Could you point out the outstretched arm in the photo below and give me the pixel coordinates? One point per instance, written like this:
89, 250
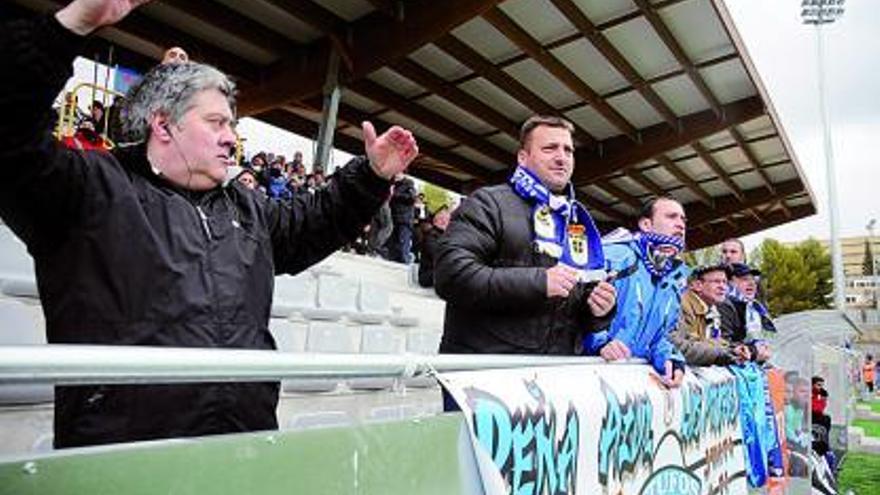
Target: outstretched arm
43, 184
84, 16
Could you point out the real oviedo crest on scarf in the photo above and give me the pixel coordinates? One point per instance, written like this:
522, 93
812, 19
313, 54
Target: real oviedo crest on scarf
561, 227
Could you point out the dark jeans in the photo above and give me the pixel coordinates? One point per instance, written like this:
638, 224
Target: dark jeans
400, 243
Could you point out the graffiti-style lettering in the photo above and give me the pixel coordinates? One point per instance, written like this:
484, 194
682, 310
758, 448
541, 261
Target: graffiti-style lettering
672, 480
524, 443
627, 436
708, 408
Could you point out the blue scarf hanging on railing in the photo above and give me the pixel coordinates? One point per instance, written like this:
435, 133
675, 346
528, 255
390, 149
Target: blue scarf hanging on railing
562, 227
651, 247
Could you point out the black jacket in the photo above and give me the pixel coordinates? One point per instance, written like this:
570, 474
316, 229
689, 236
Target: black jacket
123, 257
495, 284
402, 201
733, 321
429, 250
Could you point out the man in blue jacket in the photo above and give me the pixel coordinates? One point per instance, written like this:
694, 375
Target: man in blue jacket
649, 279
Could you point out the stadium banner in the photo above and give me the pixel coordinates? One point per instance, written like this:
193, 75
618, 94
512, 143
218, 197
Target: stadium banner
602, 429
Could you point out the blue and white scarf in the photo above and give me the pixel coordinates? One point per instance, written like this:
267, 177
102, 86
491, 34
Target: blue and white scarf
562, 227
651, 247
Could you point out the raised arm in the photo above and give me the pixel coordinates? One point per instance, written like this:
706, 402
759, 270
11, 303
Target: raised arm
42, 184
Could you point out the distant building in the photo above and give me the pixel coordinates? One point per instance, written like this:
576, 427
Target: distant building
862, 290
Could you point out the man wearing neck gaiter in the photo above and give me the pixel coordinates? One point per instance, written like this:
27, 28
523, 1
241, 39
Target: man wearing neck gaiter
521, 265
649, 279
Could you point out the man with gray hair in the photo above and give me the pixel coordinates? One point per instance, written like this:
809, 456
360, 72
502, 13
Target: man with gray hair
151, 246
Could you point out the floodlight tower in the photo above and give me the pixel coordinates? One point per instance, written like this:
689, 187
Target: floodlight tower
875, 280
818, 13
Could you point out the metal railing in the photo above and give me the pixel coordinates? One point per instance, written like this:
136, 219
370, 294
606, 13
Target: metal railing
87, 364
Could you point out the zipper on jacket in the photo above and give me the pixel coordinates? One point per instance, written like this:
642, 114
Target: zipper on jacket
205, 225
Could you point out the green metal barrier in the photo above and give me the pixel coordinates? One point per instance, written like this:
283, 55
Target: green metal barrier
424, 456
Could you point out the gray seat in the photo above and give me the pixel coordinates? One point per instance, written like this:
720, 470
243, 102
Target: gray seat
399, 319
382, 339
421, 341
325, 337
22, 324
289, 336
333, 337
337, 298
17, 277
294, 294
373, 304
379, 339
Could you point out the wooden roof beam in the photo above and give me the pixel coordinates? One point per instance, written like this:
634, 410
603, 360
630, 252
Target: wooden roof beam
620, 194
521, 38
620, 153
437, 85
139, 25
373, 41
394, 101
608, 211
698, 239
685, 179
752, 159
713, 164
486, 69
236, 25
644, 181
669, 40
393, 8
589, 30
354, 117
312, 14
751, 199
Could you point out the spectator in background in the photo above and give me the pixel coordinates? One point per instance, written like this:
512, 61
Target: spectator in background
248, 178
743, 318
86, 138
402, 204
439, 222
380, 230
797, 410
869, 370
97, 114
297, 163
698, 335
175, 55
319, 180
649, 278
421, 225
733, 251
278, 184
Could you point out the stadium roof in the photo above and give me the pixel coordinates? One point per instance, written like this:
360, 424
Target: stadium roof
664, 98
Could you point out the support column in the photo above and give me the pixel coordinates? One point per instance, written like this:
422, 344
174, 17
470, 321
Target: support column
332, 92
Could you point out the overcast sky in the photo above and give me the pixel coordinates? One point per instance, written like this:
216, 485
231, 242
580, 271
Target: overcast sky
784, 51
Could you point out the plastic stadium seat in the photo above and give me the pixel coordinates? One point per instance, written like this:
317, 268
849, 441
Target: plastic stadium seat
22, 324
294, 294
17, 277
382, 339
423, 341
373, 304
289, 336
379, 339
333, 337
337, 298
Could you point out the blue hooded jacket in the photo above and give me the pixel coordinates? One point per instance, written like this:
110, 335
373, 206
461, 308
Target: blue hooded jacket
647, 307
